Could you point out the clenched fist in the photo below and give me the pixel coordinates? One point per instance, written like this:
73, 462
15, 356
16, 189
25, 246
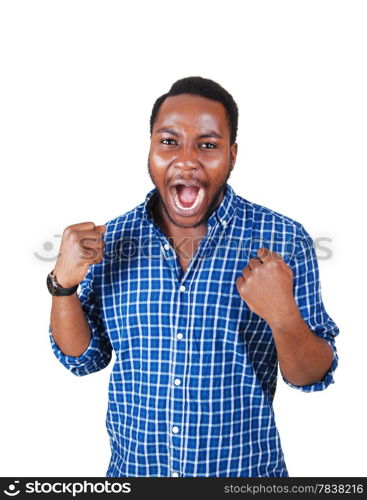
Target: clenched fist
266, 285
81, 245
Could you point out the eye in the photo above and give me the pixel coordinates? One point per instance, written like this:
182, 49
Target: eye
168, 142
208, 145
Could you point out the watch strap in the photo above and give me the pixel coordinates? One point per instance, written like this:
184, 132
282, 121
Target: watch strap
56, 289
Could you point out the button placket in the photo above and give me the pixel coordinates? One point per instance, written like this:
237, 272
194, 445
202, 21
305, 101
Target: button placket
177, 406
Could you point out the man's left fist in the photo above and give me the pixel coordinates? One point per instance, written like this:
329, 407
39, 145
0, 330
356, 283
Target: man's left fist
266, 285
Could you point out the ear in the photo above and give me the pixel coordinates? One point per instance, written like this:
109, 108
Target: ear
233, 153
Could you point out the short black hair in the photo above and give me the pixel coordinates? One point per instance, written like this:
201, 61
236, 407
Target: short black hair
203, 87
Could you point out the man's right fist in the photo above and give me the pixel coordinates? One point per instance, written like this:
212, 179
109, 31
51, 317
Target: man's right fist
81, 245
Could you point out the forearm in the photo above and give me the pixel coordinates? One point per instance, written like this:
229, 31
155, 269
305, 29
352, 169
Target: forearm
304, 358
70, 328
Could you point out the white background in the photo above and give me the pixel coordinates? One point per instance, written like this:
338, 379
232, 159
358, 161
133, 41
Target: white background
78, 80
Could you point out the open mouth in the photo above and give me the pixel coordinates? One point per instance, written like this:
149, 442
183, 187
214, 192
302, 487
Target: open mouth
187, 198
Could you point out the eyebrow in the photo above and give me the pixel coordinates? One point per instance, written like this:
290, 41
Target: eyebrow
208, 134
167, 130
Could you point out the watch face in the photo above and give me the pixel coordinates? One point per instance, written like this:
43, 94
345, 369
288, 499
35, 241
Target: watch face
55, 289
51, 285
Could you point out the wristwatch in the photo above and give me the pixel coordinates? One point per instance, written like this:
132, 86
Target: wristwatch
55, 288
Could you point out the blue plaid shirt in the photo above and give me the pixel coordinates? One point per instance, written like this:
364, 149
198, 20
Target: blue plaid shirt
192, 386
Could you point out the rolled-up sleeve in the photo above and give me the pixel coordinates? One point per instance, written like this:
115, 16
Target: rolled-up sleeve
307, 292
99, 351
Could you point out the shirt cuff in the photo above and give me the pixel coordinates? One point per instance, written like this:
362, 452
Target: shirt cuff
82, 359
328, 378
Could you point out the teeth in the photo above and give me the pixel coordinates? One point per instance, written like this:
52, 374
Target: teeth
196, 203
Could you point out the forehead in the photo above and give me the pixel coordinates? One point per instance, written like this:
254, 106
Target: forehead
192, 111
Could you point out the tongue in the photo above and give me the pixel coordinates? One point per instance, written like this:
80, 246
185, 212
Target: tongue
187, 194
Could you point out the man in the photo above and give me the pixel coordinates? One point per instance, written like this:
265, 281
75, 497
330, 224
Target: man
200, 293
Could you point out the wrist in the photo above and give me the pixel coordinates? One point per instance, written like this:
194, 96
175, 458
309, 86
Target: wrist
59, 289
287, 320
62, 279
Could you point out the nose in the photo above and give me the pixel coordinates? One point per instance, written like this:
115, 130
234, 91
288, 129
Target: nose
187, 159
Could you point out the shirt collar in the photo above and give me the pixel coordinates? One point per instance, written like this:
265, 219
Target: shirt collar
223, 213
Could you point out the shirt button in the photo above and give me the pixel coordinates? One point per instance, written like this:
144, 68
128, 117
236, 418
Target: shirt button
177, 381
224, 222
182, 288
174, 474
166, 246
179, 336
175, 429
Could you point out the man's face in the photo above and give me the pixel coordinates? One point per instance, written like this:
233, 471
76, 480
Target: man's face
190, 157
